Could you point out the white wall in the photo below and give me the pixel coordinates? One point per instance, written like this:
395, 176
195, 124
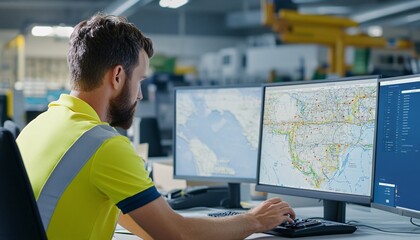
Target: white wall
46, 47
188, 49
233, 68
6, 36
209, 66
394, 32
284, 59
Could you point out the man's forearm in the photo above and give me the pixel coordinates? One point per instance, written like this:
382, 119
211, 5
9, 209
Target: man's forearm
234, 227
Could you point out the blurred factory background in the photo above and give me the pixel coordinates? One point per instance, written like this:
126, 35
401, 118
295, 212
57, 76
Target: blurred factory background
208, 42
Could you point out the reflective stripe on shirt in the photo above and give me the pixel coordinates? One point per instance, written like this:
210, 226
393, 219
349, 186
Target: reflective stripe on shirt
68, 168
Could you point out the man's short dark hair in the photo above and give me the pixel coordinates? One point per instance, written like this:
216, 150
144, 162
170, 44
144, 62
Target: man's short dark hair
101, 43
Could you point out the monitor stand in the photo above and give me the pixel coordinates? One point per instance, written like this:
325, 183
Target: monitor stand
234, 197
213, 196
335, 211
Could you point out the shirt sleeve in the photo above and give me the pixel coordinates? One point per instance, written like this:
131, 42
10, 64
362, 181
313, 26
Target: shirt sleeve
119, 173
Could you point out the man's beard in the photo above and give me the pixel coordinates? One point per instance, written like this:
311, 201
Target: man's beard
121, 111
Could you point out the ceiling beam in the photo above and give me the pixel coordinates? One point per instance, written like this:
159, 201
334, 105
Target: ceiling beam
377, 12
50, 5
402, 21
125, 7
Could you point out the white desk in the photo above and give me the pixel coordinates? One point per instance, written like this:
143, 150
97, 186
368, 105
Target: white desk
363, 215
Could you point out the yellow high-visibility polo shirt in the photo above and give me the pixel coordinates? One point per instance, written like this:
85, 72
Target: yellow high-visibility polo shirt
114, 177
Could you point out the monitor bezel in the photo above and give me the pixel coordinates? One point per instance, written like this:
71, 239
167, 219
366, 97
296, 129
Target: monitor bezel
309, 193
397, 210
209, 178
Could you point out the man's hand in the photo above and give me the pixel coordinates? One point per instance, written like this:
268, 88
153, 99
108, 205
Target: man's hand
271, 213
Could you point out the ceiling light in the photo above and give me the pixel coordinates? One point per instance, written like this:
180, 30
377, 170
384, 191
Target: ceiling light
51, 31
123, 7
305, 1
41, 31
325, 10
412, 18
374, 31
386, 10
172, 3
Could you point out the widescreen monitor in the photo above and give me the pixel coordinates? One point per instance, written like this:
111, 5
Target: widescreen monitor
317, 141
397, 158
216, 134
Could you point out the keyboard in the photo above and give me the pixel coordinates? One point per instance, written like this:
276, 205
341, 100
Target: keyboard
224, 214
311, 227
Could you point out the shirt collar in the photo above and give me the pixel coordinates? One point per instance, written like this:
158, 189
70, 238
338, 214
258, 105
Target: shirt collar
76, 105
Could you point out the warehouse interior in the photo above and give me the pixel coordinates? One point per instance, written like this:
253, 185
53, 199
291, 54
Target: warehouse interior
211, 43
208, 43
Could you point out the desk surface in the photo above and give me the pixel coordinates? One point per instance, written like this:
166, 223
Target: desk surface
362, 216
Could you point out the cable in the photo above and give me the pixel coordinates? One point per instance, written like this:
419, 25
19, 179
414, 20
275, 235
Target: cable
316, 218
355, 223
415, 224
126, 233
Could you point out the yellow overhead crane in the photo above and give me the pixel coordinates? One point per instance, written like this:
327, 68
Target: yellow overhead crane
294, 27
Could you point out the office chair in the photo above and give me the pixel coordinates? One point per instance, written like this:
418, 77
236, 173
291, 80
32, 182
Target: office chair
32, 114
19, 215
150, 133
12, 127
3, 108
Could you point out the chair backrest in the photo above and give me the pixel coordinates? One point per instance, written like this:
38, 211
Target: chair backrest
3, 108
12, 127
150, 133
32, 114
19, 215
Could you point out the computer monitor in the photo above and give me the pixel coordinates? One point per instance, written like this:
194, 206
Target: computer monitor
317, 140
398, 147
216, 135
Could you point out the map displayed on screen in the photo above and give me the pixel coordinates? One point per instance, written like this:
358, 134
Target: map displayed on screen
217, 132
319, 136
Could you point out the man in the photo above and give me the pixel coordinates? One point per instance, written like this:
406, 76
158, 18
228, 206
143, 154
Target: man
83, 172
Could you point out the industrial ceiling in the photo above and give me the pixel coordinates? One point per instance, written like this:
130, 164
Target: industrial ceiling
202, 17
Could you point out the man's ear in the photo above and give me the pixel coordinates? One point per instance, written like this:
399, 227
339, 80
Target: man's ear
118, 77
